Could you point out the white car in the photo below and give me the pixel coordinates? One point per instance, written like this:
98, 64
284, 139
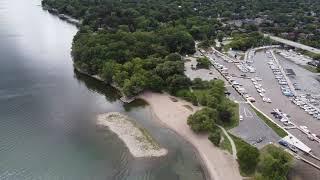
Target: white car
240, 117
268, 100
311, 112
251, 99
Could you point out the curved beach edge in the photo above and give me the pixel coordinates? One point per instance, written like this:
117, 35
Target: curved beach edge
137, 139
174, 113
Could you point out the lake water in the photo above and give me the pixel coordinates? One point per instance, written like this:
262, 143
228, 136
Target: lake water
47, 111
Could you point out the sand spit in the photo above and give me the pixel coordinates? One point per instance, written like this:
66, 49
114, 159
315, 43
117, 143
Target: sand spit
138, 140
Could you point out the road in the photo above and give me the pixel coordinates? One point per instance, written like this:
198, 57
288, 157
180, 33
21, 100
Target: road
294, 44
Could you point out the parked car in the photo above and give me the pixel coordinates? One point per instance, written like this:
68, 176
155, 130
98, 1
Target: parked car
283, 143
251, 99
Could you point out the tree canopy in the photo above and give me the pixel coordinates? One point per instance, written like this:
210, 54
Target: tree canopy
248, 158
274, 164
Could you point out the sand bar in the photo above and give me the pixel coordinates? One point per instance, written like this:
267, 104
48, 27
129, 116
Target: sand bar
138, 140
220, 165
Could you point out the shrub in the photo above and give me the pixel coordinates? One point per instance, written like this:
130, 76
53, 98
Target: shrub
215, 137
203, 63
203, 120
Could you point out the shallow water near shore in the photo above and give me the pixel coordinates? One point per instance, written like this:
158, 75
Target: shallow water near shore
48, 112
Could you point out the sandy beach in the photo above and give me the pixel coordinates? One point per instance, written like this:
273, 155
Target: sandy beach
220, 164
137, 140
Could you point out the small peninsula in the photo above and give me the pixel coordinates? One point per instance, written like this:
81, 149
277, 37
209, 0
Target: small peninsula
138, 140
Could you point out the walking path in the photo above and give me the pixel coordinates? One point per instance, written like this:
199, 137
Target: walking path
233, 146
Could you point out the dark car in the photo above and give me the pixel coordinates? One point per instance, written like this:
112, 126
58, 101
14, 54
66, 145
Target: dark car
283, 143
273, 113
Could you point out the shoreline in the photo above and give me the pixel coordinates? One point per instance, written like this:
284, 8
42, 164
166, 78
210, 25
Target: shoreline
123, 98
217, 163
139, 142
63, 17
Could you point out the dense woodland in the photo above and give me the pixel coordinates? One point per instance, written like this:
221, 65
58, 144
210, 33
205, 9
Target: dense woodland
136, 44
293, 19
137, 36
137, 39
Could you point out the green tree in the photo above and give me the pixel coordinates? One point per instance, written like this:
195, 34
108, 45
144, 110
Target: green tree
275, 164
173, 57
203, 120
215, 137
203, 63
177, 40
177, 82
108, 71
220, 36
248, 158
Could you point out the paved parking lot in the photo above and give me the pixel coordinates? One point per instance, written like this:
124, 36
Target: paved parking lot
204, 74
252, 128
305, 79
298, 116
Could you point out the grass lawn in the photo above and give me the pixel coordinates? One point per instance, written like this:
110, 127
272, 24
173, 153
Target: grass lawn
271, 124
225, 144
239, 144
200, 92
238, 141
310, 68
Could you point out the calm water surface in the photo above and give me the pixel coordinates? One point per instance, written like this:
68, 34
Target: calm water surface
47, 111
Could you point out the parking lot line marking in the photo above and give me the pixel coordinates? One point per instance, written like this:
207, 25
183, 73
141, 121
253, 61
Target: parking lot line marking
244, 112
247, 113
